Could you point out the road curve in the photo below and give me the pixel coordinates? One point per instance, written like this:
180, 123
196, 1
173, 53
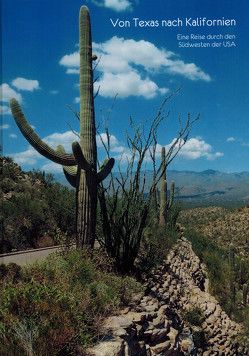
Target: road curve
25, 257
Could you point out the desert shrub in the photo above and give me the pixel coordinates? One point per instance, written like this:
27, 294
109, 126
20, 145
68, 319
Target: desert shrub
155, 247
226, 280
34, 208
199, 339
56, 306
216, 260
194, 316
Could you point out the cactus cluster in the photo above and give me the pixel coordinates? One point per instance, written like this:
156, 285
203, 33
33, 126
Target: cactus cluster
80, 168
165, 201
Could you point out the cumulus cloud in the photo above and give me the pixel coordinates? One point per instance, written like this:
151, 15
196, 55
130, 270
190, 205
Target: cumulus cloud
31, 156
238, 140
54, 92
52, 167
231, 139
196, 148
70, 60
65, 139
12, 135
28, 156
126, 67
116, 5
193, 149
4, 127
102, 138
7, 93
127, 84
25, 84
4, 110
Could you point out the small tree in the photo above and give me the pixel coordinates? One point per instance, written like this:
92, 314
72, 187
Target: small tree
126, 204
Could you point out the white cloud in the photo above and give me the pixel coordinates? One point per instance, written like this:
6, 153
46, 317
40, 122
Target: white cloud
4, 110
70, 60
54, 92
193, 149
116, 5
245, 144
118, 54
4, 127
103, 138
28, 156
127, 84
25, 84
12, 135
72, 71
52, 167
7, 93
65, 139
77, 100
231, 139
196, 148
126, 67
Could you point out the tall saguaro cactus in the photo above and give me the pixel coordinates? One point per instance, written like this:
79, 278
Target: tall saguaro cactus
80, 168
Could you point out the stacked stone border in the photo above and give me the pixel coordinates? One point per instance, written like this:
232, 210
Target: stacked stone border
156, 322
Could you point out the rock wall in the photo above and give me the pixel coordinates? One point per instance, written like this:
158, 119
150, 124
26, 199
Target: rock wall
157, 322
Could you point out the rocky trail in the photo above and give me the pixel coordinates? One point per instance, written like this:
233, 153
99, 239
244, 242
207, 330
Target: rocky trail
156, 321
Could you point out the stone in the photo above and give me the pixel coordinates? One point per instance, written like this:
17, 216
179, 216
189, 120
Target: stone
120, 332
137, 317
158, 335
172, 336
161, 347
159, 321
151, 308
108, 348
117, 322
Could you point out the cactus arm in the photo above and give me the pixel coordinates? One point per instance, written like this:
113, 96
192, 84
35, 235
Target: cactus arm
70, 172
71, 177
34, 139
105, 170
80, 158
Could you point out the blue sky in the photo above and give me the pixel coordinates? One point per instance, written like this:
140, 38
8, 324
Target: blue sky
140, 64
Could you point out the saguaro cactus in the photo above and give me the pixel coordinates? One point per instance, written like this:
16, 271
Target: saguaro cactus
245, 293
232, 256
165, 201
80, 168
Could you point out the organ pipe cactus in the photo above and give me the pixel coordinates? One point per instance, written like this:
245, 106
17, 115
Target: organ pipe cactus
80, 168
165, 201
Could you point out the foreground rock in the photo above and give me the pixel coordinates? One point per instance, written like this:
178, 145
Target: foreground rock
158, 322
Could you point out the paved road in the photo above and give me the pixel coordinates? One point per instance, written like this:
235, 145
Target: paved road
28, 256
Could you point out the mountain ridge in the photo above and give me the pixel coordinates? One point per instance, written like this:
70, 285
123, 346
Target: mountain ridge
205, 187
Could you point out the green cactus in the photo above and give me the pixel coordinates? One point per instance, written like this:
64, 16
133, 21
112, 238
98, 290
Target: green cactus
232, 256
245, 293
80, 168
172, 194
165, 201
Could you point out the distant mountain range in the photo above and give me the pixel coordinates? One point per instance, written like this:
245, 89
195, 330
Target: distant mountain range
204, 188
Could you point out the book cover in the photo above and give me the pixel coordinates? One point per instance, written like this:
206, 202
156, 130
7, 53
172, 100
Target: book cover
145, 105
